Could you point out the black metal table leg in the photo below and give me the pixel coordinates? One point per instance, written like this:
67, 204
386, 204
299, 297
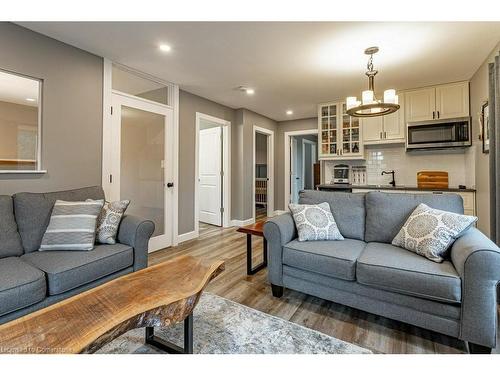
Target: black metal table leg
168, 347
253, 270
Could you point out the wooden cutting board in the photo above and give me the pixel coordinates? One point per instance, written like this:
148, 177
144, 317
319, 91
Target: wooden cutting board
432, 180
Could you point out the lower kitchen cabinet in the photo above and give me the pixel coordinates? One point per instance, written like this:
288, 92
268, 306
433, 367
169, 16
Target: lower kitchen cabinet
469, 197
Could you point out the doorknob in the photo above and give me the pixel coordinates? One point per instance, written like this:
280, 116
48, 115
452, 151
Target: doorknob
170, 184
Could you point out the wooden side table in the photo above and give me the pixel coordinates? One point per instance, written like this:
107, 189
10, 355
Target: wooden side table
256, 229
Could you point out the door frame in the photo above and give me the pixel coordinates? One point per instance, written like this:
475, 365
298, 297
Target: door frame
226, 171
107, 137
313, 156
270, 169
287, 136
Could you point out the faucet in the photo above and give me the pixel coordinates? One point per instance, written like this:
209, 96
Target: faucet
393, 182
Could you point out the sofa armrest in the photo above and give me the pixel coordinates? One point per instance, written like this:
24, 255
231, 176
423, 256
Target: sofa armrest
278, 231
477, 260
136, 232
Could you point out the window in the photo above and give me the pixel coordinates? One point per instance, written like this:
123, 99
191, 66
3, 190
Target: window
20, 122
131, 83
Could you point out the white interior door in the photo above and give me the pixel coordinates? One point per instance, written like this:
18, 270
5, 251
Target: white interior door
142, 163
210, 176
295, 172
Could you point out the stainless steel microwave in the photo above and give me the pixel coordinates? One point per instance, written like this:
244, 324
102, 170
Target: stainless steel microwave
438, 134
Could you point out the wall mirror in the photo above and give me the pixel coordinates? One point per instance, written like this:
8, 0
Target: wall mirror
20, 123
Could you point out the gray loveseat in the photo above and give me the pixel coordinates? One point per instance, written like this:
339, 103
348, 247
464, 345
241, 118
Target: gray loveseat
456, 297
32, 279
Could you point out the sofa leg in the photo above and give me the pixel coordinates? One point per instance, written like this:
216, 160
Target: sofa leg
478, 349
277, 290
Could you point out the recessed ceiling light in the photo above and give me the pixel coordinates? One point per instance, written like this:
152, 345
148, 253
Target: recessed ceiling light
289, 112
30, 99
165, 48
245, 89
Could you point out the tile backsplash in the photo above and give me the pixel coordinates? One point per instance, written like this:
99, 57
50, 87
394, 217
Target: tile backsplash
459, 165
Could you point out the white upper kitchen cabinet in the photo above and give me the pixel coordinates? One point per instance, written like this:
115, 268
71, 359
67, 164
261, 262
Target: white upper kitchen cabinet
385, 129
420, 104
438, 102
340, 133
373, 129
452, 100
394, 124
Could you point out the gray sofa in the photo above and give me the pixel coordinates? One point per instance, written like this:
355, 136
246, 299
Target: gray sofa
456, 297
32, 279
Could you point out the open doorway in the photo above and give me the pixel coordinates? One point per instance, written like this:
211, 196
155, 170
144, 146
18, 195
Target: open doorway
212, 171
263, 178
302, 169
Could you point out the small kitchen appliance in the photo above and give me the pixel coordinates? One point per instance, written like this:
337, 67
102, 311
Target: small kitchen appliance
341, 174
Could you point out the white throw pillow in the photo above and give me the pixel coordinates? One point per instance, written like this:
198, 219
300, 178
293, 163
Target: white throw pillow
315, 222
430, 232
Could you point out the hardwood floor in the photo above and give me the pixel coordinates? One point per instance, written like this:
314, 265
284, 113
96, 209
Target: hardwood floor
370, 331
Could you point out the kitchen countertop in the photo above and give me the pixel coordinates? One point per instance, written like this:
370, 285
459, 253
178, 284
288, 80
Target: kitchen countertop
387, 187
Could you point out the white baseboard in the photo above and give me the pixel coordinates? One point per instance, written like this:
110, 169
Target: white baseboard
242, 223
187, 236
279, 212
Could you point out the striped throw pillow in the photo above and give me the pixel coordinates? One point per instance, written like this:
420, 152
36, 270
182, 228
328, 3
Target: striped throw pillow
72, 226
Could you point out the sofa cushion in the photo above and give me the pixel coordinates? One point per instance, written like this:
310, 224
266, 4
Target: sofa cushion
10, 241
348, 210
387, 212
398, 270
33, 212
67, 270
21, 285
330, 258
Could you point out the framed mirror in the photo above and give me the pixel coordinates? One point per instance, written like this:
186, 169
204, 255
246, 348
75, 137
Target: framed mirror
20, 123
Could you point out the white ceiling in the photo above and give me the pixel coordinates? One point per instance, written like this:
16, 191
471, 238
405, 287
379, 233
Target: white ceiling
16, 89
290, 65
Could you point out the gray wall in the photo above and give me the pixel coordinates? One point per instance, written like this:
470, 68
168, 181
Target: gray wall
279, 158
478, 95
189, 104
71, 112
242, 122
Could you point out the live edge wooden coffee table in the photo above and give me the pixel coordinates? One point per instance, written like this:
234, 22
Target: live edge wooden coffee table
256, 229
157, 296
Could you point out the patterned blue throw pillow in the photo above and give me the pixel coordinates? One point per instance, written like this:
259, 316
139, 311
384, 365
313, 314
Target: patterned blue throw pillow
315, 222
430, 232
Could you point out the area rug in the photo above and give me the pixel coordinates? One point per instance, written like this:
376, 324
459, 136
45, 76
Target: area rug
222, 326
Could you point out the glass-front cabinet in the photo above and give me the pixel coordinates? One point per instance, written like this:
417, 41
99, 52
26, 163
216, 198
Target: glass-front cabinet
340, 133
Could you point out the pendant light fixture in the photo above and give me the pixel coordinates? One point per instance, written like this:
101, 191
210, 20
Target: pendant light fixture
369, 106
